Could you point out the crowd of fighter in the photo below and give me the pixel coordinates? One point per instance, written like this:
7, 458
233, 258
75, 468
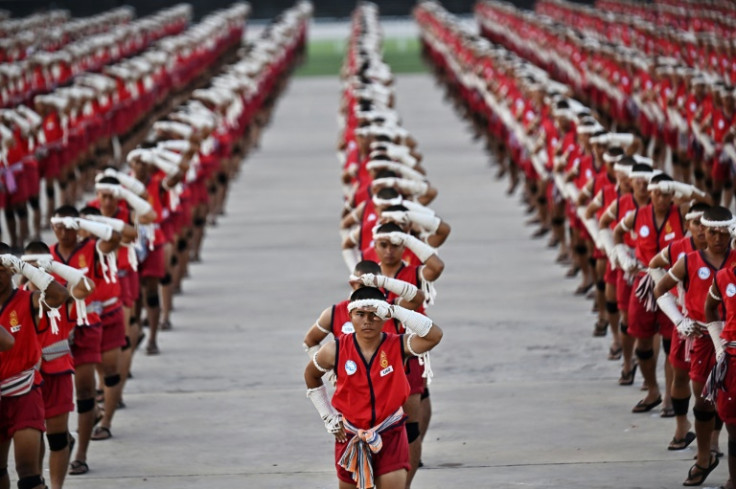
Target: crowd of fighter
380, 410
568, 100
189, 108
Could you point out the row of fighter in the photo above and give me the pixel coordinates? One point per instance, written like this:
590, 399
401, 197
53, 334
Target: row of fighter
124, 252
389, 246
686, 14
44, 70
685, 117
642, 233
72, 128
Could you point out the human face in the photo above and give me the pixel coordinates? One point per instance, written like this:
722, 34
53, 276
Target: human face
718, 239
65, 236
661, 201
108, 202
697, 230
388, 253
366, 323
639, 185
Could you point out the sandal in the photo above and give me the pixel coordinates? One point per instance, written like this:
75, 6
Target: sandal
645, 407
699, 477
101, 433
682, 443
601, 328
627, 378
583, 289
667, 412
615, 353
78, 468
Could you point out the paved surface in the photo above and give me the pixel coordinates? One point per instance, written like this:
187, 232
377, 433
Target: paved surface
523, 395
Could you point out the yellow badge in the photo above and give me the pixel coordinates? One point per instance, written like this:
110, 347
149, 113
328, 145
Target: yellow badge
668, 228
82, 262
13, 318
384, 360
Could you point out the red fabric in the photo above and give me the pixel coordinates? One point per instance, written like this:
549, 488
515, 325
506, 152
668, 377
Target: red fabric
394, 454
58, 394
113, 330
21, 412
651, 239
18, 319
643, 323
86, 344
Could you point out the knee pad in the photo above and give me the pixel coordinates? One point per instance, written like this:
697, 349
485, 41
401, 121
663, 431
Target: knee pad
718, 424
85, 405
9, 214
698, 173
701, 415
22, 212
212, 189
580, 249
112, 380
600, 286
731, 448
174, 260
541, 200
33, 202
644, 354
425, 394
728, 183
50, 191
58, 441
412, 431
612, 307
127, 343
222, 178
558, 221
166, 280
3, 472
181, 245
30, 482
681, 406
133, 320
152, 301
666, 345
62, 184
199, 222
591, 260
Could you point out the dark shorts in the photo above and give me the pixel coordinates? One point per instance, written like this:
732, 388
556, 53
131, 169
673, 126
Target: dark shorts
679, 356
702, 359
113, 330
86, 344
130, 287
20, 413
726, 402
414, 373
153, 265
58, 394
645, 324
393, 456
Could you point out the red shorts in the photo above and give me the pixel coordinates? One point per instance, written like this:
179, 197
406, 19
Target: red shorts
611, 276
86, 344
720, 172
130, 287
645, 324
393, 456
679, 353
726, 402
33, 180
113, 330
58, 394
20, 195
22, 412
702, 359
623, 291
153, 265
414, 373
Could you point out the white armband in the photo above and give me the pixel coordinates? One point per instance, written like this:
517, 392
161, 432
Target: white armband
139, 205
72, 275
412, 186
311, 350
656, 274
428, 222
117, 225
413, 321
667, 305
131, 183
405, 290
419, 248
321, 401
673, 276
350, 257
101, 230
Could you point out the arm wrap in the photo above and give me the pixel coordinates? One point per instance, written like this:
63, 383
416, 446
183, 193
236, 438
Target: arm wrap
117, 225
101, 230
427, 221
139, 205
413, 321
419, 248
405, 290
667, 305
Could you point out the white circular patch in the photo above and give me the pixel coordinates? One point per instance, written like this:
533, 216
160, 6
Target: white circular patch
703, 273
347, 328
731, 290
350, 367
644, 231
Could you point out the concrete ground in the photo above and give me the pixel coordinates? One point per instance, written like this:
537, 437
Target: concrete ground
523, 396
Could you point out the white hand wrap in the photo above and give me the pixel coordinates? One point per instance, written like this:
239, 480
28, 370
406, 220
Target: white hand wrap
329, 415
117, 225
419, 248
350, 256
139, 205
311, 350
605, 241
667, 305
714, 329
413, 321
72, 275
127, 181
657, 274
99, 229
624, 258
405, 290
68, 222
414, 206
428, 222
412, 187
40, 279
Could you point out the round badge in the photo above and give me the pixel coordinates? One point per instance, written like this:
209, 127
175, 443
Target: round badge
731, 290
644, 231
350, 367
348, 328
703, 273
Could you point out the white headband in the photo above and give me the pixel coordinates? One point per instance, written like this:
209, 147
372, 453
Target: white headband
395, 201
693, 215
366, 303
657, 186
37, 257
642, 174
612, 159
718, 224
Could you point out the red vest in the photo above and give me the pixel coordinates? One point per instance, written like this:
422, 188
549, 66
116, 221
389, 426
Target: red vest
680, 248
63, 364
367, 222
18, 319
369, 390
83, 256
726, 283
340, 323
651, 239
698, 279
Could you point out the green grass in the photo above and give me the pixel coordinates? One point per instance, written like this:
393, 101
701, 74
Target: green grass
325, 57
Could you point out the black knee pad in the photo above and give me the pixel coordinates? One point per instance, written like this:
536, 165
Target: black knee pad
541, 200
50, 191
33, 202
174, 260
611, 307
624, 328
412, 431
112, 380
558, 221
127, 343
3, 472
30, 482
63, 184
181, 245
666, 345
166, 280
133, 320
22, 212
222, 178
732, 448
199, 222
85, 405
58, 441
600, 286
718, 423
698, 173
581, 249
9, 214
644, 354
591, 260
728, 183
681, 406
152, 301
425, 394
702, 415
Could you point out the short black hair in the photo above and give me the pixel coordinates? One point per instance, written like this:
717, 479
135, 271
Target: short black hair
367, 293
110, 180
387, 193
37, 248
368, 266
90, 211
389, 227
5, 249
66, 210
661, 177
717, 213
